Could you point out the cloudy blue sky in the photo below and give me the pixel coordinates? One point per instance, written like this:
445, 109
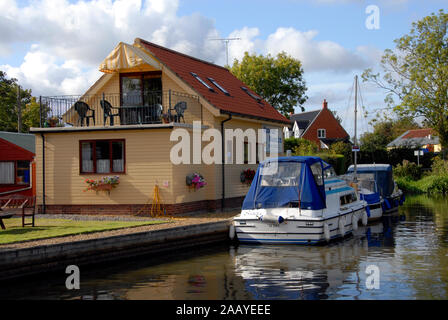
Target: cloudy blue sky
55, 47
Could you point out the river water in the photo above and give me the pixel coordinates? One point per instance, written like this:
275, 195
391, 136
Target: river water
404, 256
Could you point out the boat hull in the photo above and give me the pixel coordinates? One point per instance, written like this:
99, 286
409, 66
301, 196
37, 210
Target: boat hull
295, 231
376, 212
394, 202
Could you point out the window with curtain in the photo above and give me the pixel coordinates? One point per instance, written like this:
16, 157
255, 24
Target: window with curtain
102, 156
7, 172
15, 172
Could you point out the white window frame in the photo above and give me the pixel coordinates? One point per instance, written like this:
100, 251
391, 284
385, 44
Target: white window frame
319, 131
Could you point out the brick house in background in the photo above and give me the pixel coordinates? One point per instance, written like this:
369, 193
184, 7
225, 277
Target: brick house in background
319, 126
418, 139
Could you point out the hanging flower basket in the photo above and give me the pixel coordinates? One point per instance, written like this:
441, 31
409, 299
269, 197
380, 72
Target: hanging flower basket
104, 184
247, 176
195, 181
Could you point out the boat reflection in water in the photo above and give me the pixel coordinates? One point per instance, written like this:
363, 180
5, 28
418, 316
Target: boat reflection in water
308, 273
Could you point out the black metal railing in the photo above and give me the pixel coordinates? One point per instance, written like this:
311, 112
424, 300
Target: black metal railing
110, 109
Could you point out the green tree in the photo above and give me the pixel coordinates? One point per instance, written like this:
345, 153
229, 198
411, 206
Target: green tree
385, 130
277, 80
31, 114
290, 143
344, 148
8, 106
305, 148
417, 73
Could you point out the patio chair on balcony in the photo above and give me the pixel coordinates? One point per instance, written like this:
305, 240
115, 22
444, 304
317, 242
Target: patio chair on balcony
180, 107
107, 112
83, 109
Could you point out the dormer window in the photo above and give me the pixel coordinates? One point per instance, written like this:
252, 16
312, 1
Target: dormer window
257, 98
202, 81
219, 87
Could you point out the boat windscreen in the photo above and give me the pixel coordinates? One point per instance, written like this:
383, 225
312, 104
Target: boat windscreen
286, 183
285, 174
329, 172
316, 169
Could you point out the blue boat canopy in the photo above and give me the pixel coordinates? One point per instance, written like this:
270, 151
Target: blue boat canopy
288, 182
382, 173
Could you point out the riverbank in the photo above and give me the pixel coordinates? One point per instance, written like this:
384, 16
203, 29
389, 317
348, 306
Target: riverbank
430, 184
47, 255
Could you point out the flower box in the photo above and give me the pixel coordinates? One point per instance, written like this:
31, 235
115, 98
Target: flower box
103, 187
104, 184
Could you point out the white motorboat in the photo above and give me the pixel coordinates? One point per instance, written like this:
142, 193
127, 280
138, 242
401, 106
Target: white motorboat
292, 201
368, 191
375, 181
391, 196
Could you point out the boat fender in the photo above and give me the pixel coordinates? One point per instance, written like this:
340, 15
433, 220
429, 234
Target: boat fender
396, 203
368, 211
402, 198
326, 232
342, 225
354, 222
388, 206
232, 231
272, 219
364, 218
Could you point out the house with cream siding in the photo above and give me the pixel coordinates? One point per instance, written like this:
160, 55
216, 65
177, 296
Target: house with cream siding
127, 125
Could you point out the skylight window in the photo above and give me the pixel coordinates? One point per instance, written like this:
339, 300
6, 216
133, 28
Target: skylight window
202, 81
218, 86
251, 94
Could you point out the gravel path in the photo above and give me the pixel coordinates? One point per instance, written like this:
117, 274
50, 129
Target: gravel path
171, 223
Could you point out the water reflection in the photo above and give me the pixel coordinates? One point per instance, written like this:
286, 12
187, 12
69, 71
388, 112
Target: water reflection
409, 248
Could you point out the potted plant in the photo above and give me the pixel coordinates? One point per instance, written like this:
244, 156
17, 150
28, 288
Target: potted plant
247, 176
104, 184
165, 118
195, 181
53, 121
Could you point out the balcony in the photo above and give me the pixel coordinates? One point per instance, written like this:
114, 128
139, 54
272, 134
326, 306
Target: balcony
109, 109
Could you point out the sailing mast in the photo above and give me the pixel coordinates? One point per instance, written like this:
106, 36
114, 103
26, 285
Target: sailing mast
355, 138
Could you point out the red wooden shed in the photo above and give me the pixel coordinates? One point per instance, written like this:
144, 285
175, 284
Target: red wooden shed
17, 167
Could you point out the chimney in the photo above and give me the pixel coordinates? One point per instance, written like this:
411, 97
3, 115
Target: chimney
324, 104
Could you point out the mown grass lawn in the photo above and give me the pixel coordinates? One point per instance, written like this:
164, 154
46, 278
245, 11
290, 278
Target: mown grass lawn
51, 228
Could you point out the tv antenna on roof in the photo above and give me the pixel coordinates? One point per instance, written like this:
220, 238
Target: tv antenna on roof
227, 40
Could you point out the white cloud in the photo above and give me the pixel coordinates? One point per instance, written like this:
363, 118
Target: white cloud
83, 33
72, 38
247, 42
42, 71
315, 55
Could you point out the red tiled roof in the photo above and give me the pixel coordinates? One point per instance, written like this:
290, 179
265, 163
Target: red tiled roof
239, 102
417, 133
